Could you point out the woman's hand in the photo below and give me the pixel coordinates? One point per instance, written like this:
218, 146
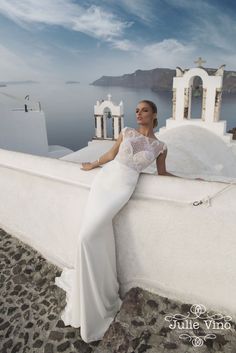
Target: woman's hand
87, 166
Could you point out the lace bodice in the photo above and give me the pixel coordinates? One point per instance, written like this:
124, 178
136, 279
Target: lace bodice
138, 151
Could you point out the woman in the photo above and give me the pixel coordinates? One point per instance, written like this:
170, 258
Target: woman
146, 114
92, 286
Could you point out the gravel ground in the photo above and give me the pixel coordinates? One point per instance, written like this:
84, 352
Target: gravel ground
30, 307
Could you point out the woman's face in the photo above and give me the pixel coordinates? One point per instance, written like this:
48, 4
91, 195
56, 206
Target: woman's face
144, 114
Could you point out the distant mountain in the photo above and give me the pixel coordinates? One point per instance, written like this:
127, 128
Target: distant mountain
160, 80
71, 82
17, 82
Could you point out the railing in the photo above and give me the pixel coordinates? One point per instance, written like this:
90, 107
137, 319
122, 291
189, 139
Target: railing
26, 109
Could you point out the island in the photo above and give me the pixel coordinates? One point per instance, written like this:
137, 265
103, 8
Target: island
71, 82
161, 80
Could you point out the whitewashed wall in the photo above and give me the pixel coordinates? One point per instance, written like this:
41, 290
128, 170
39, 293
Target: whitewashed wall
24, 132
164, 243
27, 133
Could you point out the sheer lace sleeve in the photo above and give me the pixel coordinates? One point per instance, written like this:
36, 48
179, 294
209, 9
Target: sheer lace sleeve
160, 148
124, 131
164, 148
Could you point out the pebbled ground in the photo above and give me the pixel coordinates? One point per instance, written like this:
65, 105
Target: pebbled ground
30, 307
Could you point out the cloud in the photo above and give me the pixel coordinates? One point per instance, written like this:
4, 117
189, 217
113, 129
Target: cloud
12, 66
99, 23
141, 9
219, 33
21, 66
93, 21
201, 5
166, 53
208, 25
124, 44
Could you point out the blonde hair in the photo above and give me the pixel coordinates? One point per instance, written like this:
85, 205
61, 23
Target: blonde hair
154, 110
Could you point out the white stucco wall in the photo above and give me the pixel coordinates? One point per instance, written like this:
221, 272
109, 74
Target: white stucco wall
26, 132
23, 132
196, 150
164, 243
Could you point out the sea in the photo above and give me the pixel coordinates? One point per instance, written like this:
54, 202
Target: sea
69, 108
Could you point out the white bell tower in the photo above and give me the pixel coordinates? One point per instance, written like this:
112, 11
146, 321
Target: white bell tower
104, 110
212, 91
211, 100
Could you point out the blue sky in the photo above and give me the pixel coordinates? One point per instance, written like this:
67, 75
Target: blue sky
82, 40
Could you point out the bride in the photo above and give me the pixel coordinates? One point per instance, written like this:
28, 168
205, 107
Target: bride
146, 115
92, 288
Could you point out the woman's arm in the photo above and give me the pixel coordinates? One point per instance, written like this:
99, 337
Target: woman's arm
107, 157
161, 165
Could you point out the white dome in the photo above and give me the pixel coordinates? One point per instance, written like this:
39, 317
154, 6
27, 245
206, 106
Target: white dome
193, 150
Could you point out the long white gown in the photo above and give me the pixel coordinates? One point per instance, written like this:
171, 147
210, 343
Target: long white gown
92, 298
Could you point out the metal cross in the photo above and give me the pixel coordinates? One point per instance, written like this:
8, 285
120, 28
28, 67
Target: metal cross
199, 61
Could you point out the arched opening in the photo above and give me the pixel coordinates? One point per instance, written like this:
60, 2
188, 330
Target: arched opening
108, 120
196, 97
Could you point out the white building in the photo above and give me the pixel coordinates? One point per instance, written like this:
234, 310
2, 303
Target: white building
24, 130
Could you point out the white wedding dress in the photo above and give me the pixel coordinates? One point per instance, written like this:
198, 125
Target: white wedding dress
92, 298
